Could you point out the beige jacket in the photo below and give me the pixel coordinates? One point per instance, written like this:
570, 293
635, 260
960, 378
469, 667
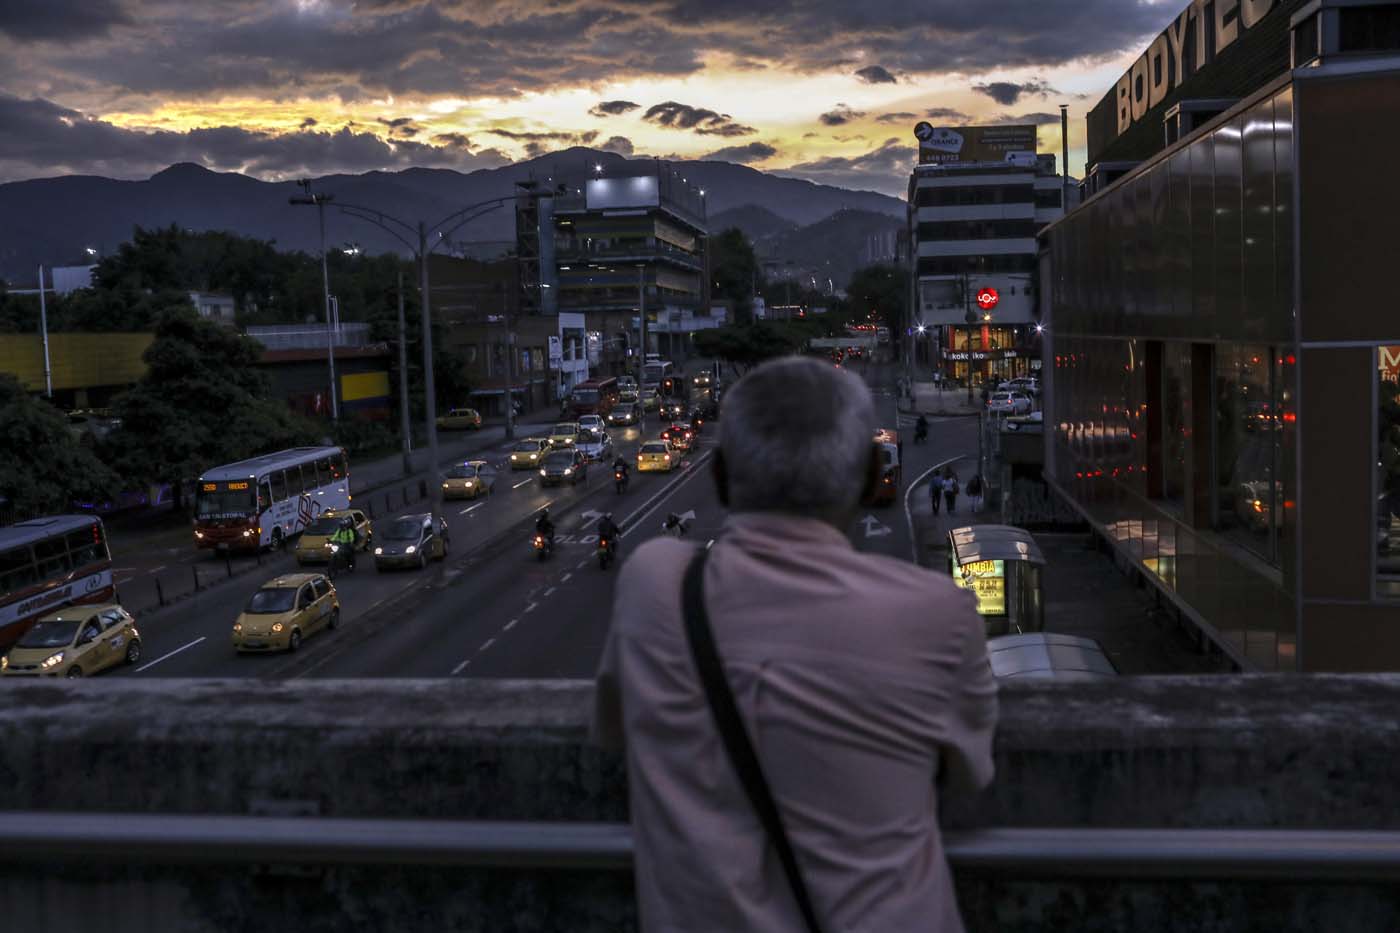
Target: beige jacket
861, 678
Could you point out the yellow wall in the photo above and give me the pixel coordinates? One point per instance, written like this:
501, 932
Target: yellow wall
78, 360
364, 385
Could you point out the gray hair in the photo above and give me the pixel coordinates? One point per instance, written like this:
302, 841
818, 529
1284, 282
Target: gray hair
796, 437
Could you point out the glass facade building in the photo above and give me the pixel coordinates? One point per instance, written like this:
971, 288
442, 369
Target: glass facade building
1217, 400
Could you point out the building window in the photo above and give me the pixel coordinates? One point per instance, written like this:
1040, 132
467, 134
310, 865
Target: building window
1248, 423
973, 194
977, 229
1047, 197
1388, 467
977, 265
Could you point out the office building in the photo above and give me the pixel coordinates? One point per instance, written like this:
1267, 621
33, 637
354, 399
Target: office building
1223, 351
977, 198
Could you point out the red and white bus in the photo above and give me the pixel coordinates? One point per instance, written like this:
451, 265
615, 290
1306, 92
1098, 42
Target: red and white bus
264, 501
594, 397
48, 563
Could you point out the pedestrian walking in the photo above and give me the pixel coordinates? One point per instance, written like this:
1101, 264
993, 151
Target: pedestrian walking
950, 489
781, 629
974, 492
935, 488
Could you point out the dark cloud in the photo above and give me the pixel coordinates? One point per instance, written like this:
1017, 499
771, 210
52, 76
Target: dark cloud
619, 144
749, 152
1040, 118
875, 74
401, 127
840, 115
308, 122
42, 138
947, 113
1007, 93
65, 20
883, 169
697, 119
534, 136
613, 108
899, 116
452, 140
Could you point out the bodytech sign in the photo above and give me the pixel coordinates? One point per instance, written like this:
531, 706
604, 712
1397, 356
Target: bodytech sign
1191, 42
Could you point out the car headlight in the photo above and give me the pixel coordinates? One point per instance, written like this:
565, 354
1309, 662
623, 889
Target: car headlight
444, 485
568, 471
469, 483
247, 533
410, 549
237, 627
542, 472
378, 550
52, 660
276, 627
4, 661
534, 456
335, 548
199, 534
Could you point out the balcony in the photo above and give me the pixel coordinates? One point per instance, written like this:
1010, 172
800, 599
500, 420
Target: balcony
630, 255
1154, 803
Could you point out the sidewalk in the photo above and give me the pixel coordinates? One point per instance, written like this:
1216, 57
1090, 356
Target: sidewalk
931, 400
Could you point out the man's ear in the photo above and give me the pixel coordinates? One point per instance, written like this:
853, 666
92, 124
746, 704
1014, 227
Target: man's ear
721, 475
873, 470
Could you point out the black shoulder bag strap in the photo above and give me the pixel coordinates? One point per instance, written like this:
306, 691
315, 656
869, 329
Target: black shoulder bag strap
736, 738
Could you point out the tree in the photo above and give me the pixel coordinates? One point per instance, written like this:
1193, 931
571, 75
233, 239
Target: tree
45, 467
744, 345
734, 271
881, 291
202, 402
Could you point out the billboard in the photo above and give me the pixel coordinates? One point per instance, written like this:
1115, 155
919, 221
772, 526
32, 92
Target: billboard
610, 193
942, 144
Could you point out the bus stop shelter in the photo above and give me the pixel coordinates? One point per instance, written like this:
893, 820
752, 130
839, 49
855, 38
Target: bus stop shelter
1003, 566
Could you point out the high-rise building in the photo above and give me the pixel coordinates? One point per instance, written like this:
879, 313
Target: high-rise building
977, 198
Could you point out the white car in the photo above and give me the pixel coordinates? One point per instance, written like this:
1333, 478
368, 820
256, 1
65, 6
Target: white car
592, 424
1009, 403
594, 447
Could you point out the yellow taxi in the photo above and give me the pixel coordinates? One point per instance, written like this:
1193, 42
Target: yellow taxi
286, 610
468, 480
657, 456
313, 547
526, 454
459, 419
75, 642
564, 434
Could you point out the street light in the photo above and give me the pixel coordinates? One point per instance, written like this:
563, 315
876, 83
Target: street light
320, 200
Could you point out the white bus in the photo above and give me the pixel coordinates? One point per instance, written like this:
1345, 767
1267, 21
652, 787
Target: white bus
264, 501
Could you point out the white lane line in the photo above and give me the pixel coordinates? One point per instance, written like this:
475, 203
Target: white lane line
156, 569
630, 523
565, 578
549, 591
171, 654
460, 667
510, 625
522, 483
531, 607
472, 508
582, 564
489, 642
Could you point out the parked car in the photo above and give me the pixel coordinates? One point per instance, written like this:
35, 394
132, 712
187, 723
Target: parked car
459, 419
75, 642
284, 611
469, 480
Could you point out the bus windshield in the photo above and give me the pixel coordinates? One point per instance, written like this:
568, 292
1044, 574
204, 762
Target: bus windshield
585, 396
222, 502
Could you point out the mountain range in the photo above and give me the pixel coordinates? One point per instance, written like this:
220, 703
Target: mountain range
53, 221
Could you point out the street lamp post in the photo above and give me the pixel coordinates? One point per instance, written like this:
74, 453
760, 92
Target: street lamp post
320, 200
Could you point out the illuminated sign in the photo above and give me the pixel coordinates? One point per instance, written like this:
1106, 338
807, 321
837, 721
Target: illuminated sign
209, 487
987, 298
1008, 143
1388, 360
987, 580
242, 485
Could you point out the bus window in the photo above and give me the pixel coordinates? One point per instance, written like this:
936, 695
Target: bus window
325, 472
264, 495
51, 556
294, 485
17, 570
338, 466
82, 547
279, 485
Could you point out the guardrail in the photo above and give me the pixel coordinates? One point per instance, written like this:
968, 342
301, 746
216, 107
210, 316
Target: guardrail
1197, 854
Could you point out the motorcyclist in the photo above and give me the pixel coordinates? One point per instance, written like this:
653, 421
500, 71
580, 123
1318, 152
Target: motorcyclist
921, 428
344, 540
621, 470
608, 532
544, 527
673, 525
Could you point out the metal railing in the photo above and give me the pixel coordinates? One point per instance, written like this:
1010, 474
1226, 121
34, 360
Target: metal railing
1200, 854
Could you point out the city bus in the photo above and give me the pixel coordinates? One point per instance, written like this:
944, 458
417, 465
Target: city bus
47, 564
594, 397
656, 371
264, 501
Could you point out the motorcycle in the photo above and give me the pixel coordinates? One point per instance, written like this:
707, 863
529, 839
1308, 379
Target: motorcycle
675, 527
339, 557
920, 435
605, 553
620, 479
544, 547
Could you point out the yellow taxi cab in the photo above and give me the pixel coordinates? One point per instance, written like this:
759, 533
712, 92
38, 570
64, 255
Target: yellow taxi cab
313, 547
286, 610
657, 456
469, 480
75, 642
564, 434
526, 454
459, 419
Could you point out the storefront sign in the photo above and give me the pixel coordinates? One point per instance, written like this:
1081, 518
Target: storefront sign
987, 580
976, 356
1388, 359
1012, 143
987, 298
556, 352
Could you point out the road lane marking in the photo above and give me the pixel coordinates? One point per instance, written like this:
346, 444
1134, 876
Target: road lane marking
531, 607
471, 508
565, 578
549, 591
510, 625
582, 564
171, 654
630, 522
460, 667
522, 483
488, 644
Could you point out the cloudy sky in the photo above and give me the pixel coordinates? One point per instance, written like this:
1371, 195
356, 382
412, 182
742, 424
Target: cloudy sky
824, 89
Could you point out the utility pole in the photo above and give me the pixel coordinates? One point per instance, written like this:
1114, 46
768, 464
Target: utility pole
320, 201
429, 388
44, 333
510, 372
404, 424
1064, 154
642, 320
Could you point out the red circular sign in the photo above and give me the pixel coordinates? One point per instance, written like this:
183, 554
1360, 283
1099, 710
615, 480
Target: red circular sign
987, 298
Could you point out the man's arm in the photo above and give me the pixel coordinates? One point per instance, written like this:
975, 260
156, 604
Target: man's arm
967, 753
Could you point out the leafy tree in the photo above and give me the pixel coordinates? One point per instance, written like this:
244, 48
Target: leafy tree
881, 291
734, 271
744, 345
45, 467
202, 402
